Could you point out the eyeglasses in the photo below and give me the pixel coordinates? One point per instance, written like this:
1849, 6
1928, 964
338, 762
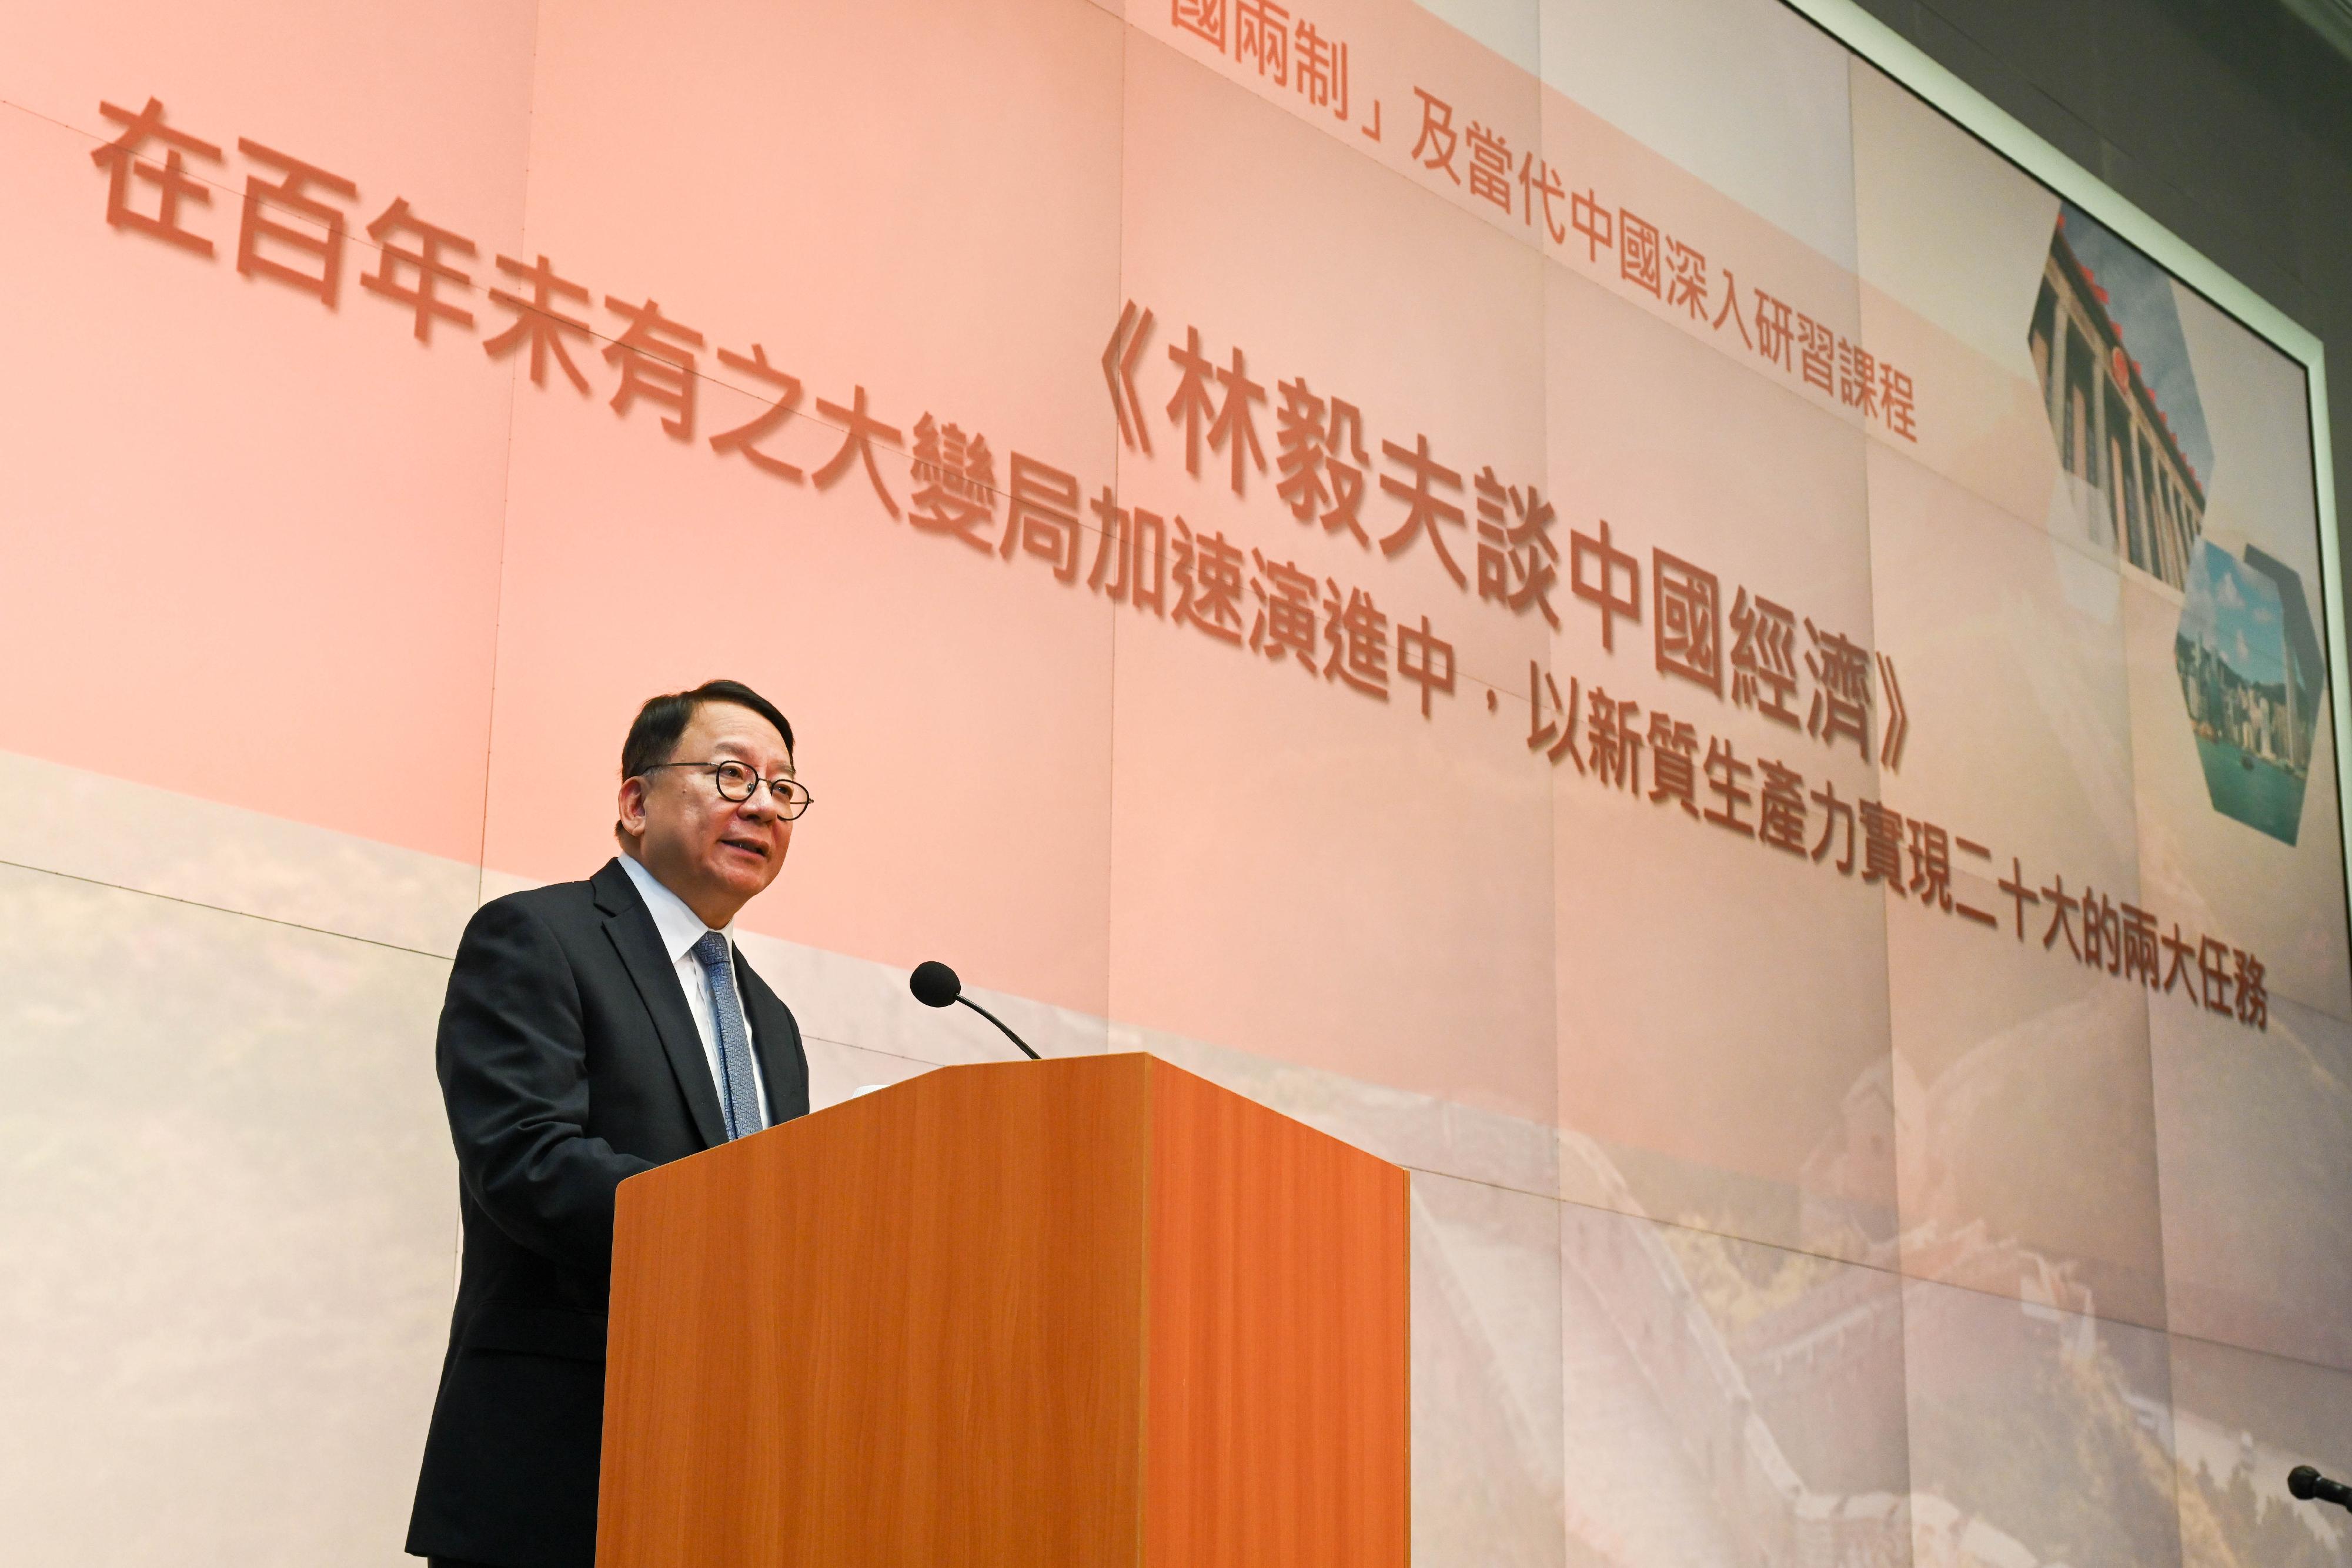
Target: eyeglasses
740, 781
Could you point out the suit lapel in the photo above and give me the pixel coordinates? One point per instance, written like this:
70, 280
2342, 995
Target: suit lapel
630, 928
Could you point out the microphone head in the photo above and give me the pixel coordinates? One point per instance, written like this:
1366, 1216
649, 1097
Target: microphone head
934, 984
2303, 1482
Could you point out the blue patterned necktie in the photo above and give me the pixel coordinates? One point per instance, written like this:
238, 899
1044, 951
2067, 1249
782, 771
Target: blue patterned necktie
738, 1091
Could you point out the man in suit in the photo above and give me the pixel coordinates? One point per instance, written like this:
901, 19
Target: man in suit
595, 1030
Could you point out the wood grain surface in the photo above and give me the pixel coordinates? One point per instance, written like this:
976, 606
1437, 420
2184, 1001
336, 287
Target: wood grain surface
901, 1331
912, 1330
1279, 1410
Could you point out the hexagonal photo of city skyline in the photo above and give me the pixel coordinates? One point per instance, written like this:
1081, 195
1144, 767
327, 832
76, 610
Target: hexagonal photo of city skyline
2250, 676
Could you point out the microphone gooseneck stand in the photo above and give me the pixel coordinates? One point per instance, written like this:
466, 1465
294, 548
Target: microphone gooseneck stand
936, 985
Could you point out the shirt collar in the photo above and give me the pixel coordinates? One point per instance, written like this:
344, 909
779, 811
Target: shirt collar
680, 926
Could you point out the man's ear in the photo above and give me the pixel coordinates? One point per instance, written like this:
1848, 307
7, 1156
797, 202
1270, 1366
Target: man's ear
632, 805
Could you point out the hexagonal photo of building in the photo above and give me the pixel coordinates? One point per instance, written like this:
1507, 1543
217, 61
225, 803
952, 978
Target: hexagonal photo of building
2122, 398
2251, 677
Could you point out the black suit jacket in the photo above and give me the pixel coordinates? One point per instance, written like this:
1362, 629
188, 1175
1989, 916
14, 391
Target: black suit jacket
568, 1062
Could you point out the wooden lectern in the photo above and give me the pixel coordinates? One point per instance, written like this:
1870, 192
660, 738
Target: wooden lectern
1092, 1311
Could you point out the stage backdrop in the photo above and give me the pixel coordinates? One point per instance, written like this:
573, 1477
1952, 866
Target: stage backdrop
1595, 598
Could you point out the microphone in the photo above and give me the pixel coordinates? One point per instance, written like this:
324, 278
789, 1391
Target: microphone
936, 985
2307, 1484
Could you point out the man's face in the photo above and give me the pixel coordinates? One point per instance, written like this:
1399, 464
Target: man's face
713, 852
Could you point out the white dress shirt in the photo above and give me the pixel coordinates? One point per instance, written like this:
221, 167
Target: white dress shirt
681, 928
